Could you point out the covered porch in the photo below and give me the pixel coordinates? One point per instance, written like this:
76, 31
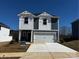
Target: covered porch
25, 35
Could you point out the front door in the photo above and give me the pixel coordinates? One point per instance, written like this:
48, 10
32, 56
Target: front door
26, 36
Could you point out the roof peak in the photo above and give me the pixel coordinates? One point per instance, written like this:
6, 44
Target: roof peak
45, 14
25, 12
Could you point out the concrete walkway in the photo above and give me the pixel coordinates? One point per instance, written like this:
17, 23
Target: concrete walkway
49, 51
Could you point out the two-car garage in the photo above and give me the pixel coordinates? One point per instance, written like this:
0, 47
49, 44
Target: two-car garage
43, 37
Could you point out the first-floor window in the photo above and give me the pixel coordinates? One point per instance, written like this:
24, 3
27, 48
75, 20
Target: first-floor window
26, 20
44, 21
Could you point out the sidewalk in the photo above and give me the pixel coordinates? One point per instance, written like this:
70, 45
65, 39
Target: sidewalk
18, 54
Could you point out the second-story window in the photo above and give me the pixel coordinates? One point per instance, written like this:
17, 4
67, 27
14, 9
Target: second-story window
26, 20
44, 21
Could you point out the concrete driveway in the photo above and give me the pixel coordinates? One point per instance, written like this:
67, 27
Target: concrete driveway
49, 47
49, 51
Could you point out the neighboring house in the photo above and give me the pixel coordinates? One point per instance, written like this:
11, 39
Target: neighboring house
75, 29
4, 33
38, 27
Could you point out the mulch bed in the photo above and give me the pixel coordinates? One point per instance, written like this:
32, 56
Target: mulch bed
13, 48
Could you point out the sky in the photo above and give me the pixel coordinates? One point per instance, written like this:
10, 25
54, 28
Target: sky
67, 10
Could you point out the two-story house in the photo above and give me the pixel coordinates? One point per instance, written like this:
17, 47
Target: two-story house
38, 28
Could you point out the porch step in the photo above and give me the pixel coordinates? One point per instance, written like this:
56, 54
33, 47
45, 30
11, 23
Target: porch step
28, 42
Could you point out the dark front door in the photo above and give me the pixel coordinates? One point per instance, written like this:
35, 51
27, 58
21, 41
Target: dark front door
29, 37
26, 36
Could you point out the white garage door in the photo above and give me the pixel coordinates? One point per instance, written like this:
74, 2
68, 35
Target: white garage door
41, 37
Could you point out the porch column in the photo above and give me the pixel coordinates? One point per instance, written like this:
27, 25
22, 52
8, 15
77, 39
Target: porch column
58, 32
32, 36
19, 35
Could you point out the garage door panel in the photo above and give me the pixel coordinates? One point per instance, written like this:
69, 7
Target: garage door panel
43, 37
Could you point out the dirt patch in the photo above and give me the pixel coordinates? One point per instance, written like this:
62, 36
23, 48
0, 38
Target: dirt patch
13, 48
10, 58
72, 44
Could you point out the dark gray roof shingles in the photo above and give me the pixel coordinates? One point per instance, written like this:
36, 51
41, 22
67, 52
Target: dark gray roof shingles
4, 25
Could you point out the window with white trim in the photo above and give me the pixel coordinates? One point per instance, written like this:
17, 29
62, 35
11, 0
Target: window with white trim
44, 21
26, 20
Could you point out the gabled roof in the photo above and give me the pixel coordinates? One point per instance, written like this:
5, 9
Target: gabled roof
39, 14
25, 13
3, 25
45, 14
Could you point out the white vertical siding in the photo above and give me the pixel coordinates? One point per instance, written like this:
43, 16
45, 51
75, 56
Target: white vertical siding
4, 34
44, 27
30, 25
4, 31
23, 26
